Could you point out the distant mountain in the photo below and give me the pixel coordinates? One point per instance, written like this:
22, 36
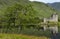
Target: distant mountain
55, 5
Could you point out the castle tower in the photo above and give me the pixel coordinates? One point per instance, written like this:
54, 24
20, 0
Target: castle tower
55, 17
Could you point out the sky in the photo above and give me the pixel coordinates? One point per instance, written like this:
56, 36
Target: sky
47, 1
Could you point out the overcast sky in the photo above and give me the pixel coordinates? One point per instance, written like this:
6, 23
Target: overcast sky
47, 1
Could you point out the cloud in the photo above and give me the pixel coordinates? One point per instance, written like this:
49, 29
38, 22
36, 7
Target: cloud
31, 0
47, 1
40, 0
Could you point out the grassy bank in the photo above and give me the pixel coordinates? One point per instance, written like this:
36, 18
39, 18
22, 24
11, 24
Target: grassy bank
19, 36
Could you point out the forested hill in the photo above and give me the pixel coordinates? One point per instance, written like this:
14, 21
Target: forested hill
39, 7
43, 10
5, 3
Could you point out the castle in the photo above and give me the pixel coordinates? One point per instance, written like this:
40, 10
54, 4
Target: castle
53, 18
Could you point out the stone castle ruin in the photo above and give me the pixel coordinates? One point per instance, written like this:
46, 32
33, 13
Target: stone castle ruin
53, 18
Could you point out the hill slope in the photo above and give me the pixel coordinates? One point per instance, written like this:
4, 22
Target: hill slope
43, 10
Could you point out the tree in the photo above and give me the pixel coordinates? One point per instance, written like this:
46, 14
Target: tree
22, 16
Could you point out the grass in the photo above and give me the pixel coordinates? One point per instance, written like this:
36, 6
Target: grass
20, 36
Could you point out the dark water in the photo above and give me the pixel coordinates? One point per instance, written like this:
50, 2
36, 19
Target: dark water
56, 36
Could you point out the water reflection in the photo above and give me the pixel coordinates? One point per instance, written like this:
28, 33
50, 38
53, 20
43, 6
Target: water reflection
55, 36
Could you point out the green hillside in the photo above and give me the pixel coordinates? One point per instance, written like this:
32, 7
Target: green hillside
41, 8
24, 11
